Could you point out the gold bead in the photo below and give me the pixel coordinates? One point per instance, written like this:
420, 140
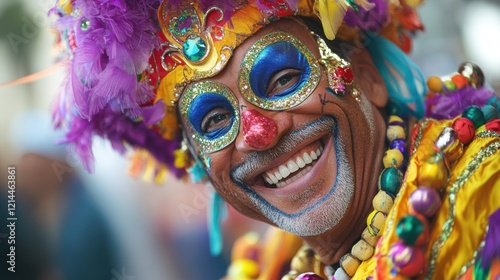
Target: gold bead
376, 222
369, 238
435, 84
393, 157
362, 250
243, 268
382, 202
433, 173
349, 264
395, 132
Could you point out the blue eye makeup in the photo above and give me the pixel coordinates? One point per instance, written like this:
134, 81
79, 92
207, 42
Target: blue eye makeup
278, 72
210, 111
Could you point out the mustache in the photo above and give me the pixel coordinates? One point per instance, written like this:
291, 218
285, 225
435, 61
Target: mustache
287, 143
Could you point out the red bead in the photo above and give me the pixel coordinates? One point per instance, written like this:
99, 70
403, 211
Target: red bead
465, 130
494, 125
345, 73
460, 81
415, 265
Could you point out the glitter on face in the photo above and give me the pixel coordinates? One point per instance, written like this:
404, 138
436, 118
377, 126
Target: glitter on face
290, 100
213, 95
258, 130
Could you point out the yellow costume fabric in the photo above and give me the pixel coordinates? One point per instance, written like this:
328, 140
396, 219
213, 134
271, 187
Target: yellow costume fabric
457, 231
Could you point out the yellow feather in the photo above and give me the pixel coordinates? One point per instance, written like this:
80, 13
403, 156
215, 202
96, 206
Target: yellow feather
331, 13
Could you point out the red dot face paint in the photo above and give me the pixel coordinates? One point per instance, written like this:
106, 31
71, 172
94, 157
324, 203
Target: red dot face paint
258, 130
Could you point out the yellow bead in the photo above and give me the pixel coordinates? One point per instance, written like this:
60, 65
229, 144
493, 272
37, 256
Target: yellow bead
243, 268
349, 264
432, 173
382, 202
362, 250
435, 84
376, 222
393, 157
395, 132
395, 118
369, 238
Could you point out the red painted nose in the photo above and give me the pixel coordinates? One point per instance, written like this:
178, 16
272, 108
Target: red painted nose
258, 130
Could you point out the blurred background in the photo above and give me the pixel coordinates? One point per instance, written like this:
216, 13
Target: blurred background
72, 225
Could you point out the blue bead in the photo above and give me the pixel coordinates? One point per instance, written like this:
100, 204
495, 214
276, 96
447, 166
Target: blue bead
390, 180
194, 48
489, 112
399, 144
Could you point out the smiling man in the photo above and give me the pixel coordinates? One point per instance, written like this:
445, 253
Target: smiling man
291, 127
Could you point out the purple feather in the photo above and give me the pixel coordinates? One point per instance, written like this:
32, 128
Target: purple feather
491, 249
451, 105
369, 20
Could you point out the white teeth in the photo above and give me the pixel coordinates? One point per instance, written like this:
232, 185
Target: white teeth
313, 155
269, 181
300, 162
278, 177
292, 166
284, 171
307, 158
273, 178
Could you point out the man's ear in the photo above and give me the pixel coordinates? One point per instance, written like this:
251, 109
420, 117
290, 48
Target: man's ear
368, 78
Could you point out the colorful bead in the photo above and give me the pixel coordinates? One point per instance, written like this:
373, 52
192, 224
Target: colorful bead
435, 84
309, 276
401, 254
474, 114
425, 201
409, 229
85, 24
449, 143
489, 112
493, 125
369, 238
399, 144
459, 80
349, 264
395, 132
415, 265
473, 73
382, 202
393, 158
390, 180
362, 250
244, 268
376, 222
450, 85
396, 120
433, 173
464, 129
340, 274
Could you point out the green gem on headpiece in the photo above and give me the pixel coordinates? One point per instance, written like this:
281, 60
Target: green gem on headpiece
194, 48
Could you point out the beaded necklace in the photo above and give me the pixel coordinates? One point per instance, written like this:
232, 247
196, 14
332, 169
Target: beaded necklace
407, 254
388, 184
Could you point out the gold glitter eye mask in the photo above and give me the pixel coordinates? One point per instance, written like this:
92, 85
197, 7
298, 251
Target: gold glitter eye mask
278, 72
211, 113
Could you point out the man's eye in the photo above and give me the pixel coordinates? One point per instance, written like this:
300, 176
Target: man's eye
282, 81
215, 119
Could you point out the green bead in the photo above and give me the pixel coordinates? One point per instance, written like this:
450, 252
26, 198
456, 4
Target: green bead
85, 25
450, 85
474, 114
194, 48
390, 180
409, 229
489, 112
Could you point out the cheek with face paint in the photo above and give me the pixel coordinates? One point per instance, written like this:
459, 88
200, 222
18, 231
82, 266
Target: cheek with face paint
259, 131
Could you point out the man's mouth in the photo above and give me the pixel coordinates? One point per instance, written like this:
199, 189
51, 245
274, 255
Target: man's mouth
294, 168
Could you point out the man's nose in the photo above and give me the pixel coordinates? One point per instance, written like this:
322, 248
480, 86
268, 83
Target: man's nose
258, 130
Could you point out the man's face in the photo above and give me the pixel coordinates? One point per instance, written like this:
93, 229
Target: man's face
277, 143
